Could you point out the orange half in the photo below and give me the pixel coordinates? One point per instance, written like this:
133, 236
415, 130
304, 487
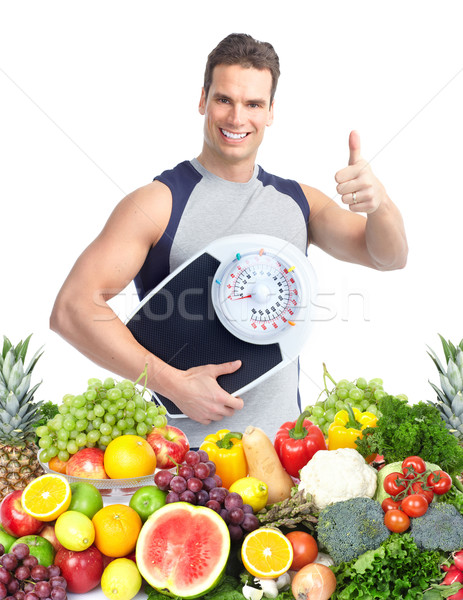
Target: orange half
267, 553
46, 497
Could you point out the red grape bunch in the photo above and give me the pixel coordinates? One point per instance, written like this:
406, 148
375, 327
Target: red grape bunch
22, 578
196, 482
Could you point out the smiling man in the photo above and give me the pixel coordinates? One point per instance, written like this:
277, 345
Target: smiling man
221, 192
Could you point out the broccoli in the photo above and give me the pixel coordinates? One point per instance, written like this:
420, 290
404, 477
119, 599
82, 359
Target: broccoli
349, 528
440, 528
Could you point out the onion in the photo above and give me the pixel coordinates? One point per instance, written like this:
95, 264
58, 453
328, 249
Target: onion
313, 582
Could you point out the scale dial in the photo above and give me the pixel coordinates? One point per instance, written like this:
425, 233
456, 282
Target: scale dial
261, 294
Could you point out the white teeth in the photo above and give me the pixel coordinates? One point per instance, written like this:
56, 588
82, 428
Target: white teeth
233, 136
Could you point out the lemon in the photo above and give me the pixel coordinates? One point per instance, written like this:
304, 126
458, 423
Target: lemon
253, 491
121, 580
74, 530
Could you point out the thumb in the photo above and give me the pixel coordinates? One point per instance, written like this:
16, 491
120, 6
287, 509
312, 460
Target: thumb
228, 367
354, 147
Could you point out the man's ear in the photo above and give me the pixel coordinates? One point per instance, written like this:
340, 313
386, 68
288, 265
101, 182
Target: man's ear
202, 103
270, 114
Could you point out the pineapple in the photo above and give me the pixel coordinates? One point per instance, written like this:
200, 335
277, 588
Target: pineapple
18, 414
450, 397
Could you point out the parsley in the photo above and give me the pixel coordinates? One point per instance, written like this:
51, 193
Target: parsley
412, 430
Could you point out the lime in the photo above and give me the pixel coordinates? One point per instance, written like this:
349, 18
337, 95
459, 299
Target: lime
121, 580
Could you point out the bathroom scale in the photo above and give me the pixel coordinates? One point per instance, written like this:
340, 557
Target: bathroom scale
245, 297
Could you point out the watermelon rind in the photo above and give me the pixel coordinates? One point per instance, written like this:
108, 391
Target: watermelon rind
182, 550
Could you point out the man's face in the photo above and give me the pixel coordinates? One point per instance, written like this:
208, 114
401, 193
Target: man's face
237, 110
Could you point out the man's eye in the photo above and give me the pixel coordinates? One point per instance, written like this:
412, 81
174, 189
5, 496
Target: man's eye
224, 100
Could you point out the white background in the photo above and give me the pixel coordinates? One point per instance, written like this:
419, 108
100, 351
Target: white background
98, 97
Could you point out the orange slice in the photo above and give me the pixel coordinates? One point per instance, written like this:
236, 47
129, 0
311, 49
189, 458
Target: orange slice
267, 553
46, 497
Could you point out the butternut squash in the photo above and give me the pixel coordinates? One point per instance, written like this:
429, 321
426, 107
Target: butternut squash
264, 464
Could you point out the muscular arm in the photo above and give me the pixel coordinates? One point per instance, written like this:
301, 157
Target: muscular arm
83, 317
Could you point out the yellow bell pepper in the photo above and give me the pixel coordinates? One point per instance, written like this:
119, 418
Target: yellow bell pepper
225, 449
347, 427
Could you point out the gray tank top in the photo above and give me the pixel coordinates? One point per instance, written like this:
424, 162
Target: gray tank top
205, 208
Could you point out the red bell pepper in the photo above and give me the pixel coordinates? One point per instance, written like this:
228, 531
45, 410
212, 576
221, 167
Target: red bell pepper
296, 442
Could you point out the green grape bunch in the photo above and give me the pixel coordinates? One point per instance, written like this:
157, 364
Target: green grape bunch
361, 393
106, 410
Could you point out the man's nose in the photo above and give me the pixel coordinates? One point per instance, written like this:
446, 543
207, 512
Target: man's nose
237, 115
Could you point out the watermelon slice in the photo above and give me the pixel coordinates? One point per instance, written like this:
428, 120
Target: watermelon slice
182, 549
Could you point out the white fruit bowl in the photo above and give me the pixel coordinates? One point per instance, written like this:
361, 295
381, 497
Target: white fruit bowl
109, 487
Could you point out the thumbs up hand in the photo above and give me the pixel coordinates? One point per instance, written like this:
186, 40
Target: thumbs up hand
357, 185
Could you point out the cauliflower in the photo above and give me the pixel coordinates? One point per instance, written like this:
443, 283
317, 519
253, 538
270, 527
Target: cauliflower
336, 475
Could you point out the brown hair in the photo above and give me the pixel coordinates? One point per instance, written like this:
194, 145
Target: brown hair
242, 49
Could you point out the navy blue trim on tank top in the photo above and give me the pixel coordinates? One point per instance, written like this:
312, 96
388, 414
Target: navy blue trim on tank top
290, 188
181, 181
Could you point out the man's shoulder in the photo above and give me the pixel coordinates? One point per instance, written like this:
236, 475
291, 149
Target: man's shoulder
181, 171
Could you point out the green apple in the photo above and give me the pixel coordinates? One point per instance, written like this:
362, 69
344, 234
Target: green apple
39, 547
85, 498
6, 540
146, 500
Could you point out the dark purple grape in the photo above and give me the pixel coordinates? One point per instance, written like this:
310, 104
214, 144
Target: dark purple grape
218, 494
203, 456
202, 497
201, 470
224, 514
31, 596
209, 484
188, 496
30, 561
9, 561
247, 508
194, 484
192, 458
178, 484
22, 573
249, 522
21, 551
39, 573
19, 595
172, 497
54, 571
58, 581
42, 589
3, 591
236, 516
28, 586
218, 480
162, 479
2, 549
186, 471
13, 586
212, 468
233, 500
58, 593
5, 575
214, 505
236, 533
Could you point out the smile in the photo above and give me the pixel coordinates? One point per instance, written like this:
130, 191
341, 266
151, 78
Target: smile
233, 136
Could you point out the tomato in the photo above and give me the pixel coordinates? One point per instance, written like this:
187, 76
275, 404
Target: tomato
389, 504
415, 505
392, 484
413, 465
305, 549
417, 488
396, 520
440, 481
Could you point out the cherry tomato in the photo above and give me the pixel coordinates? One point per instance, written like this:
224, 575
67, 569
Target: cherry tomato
305, 549
417, 488
415, 505
389, 504
413, 465
396, 520
391, 484
440, 481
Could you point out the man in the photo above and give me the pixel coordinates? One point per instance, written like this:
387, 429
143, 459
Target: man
221, 192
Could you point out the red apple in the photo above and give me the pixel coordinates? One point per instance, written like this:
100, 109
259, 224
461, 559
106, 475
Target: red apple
168, 442
48, 532
82, 570
87, 462
15, 519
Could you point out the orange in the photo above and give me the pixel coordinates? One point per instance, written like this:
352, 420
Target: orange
57, 465
116, 530
129, 456
267, 553
46, 497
